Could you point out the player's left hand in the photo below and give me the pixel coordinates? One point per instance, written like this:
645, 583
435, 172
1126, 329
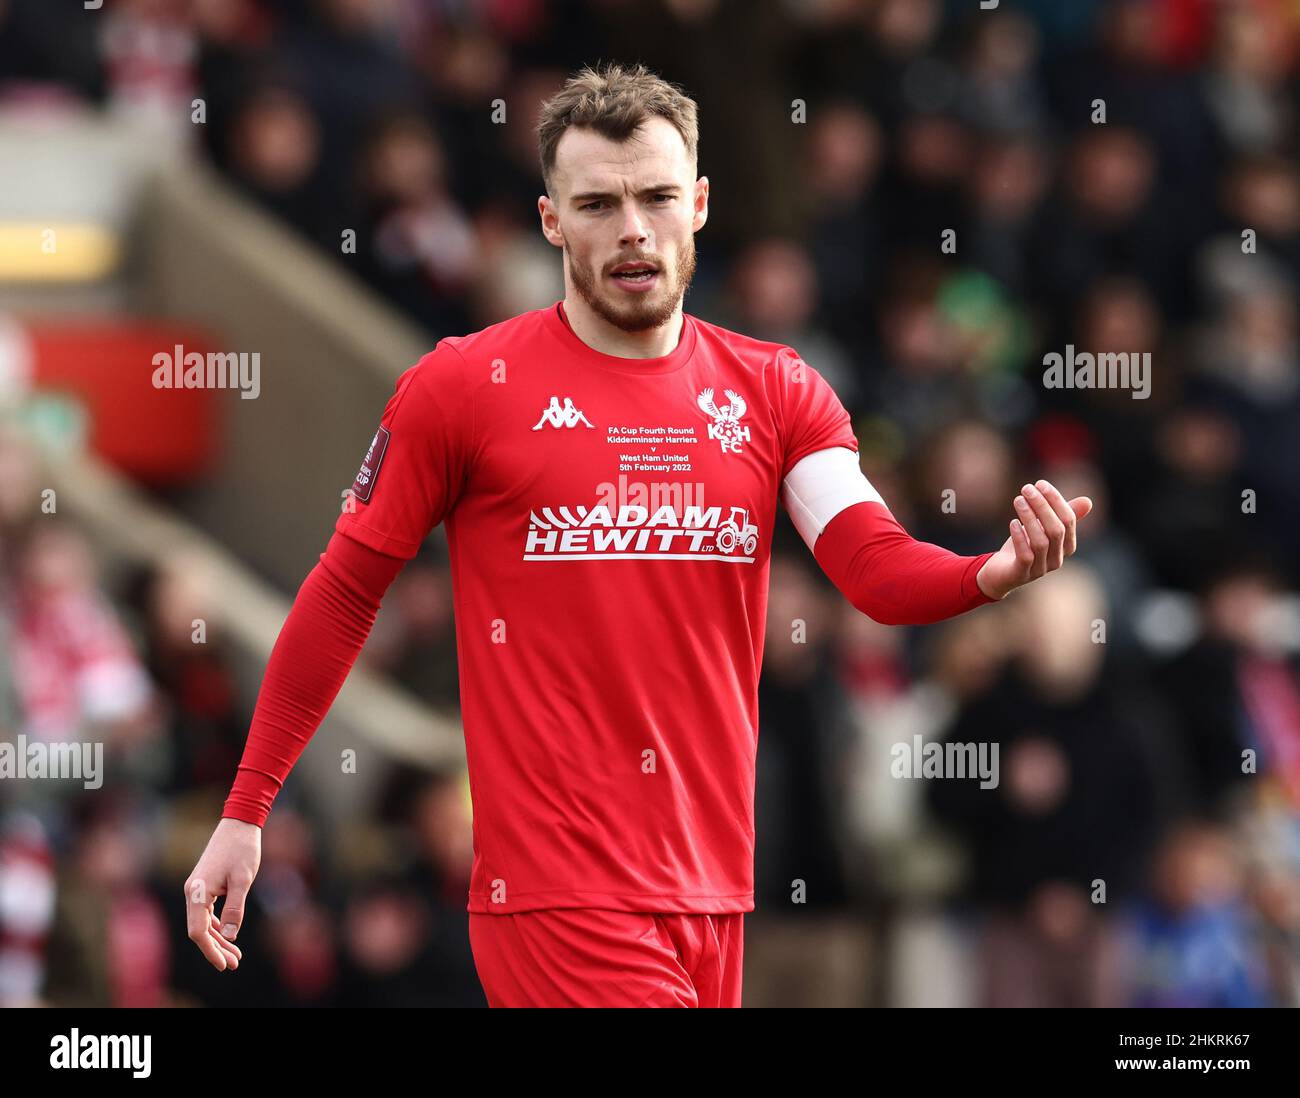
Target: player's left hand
1043, 534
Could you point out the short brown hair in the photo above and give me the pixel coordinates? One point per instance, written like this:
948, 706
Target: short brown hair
613, 100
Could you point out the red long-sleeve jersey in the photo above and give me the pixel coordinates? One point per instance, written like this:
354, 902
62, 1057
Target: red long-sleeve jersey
609, 523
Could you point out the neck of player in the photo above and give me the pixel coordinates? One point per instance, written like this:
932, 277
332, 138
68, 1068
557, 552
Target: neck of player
600, 335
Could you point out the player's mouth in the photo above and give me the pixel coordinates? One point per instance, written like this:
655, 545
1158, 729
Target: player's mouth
636, 277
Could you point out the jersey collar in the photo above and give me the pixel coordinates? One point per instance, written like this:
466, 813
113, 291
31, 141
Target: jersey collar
558, 325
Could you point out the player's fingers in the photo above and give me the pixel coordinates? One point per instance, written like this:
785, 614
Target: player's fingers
226, 946
1063, 511
232, 910
1037, 538
199, 900
1020, 542
198, 905
1081, 506
1052, 525
206, 941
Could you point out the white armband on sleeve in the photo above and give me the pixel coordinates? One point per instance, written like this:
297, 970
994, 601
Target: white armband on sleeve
822, 485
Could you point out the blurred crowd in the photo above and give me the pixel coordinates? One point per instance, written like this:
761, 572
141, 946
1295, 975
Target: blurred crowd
924, 199
91, 904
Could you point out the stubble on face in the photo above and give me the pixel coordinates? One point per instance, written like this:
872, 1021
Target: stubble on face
636, 314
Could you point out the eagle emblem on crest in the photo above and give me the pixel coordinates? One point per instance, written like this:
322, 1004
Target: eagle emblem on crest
726, 427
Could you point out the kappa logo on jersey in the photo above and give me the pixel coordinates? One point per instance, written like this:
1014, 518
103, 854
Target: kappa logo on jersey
599, 533
365, 482
726, 428
561, 416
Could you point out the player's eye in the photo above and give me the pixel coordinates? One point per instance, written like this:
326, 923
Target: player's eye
665, 197
592, 205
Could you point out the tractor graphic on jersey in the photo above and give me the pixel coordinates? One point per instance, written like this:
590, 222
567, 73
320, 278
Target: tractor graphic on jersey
737, 530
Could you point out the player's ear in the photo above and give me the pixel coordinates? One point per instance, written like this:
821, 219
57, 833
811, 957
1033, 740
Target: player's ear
701, 204
550, 221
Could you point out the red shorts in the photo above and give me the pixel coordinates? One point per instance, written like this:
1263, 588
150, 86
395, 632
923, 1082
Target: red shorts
584, 957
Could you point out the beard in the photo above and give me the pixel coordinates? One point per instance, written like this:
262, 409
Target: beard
640, 312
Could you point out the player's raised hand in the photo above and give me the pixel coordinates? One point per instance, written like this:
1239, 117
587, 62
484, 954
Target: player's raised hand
1043, 534
227, 868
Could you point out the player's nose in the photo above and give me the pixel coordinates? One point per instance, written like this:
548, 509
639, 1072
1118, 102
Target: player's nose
633, 228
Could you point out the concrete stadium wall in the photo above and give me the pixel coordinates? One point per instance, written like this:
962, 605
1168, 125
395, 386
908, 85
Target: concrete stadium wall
330, 352
369, 715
